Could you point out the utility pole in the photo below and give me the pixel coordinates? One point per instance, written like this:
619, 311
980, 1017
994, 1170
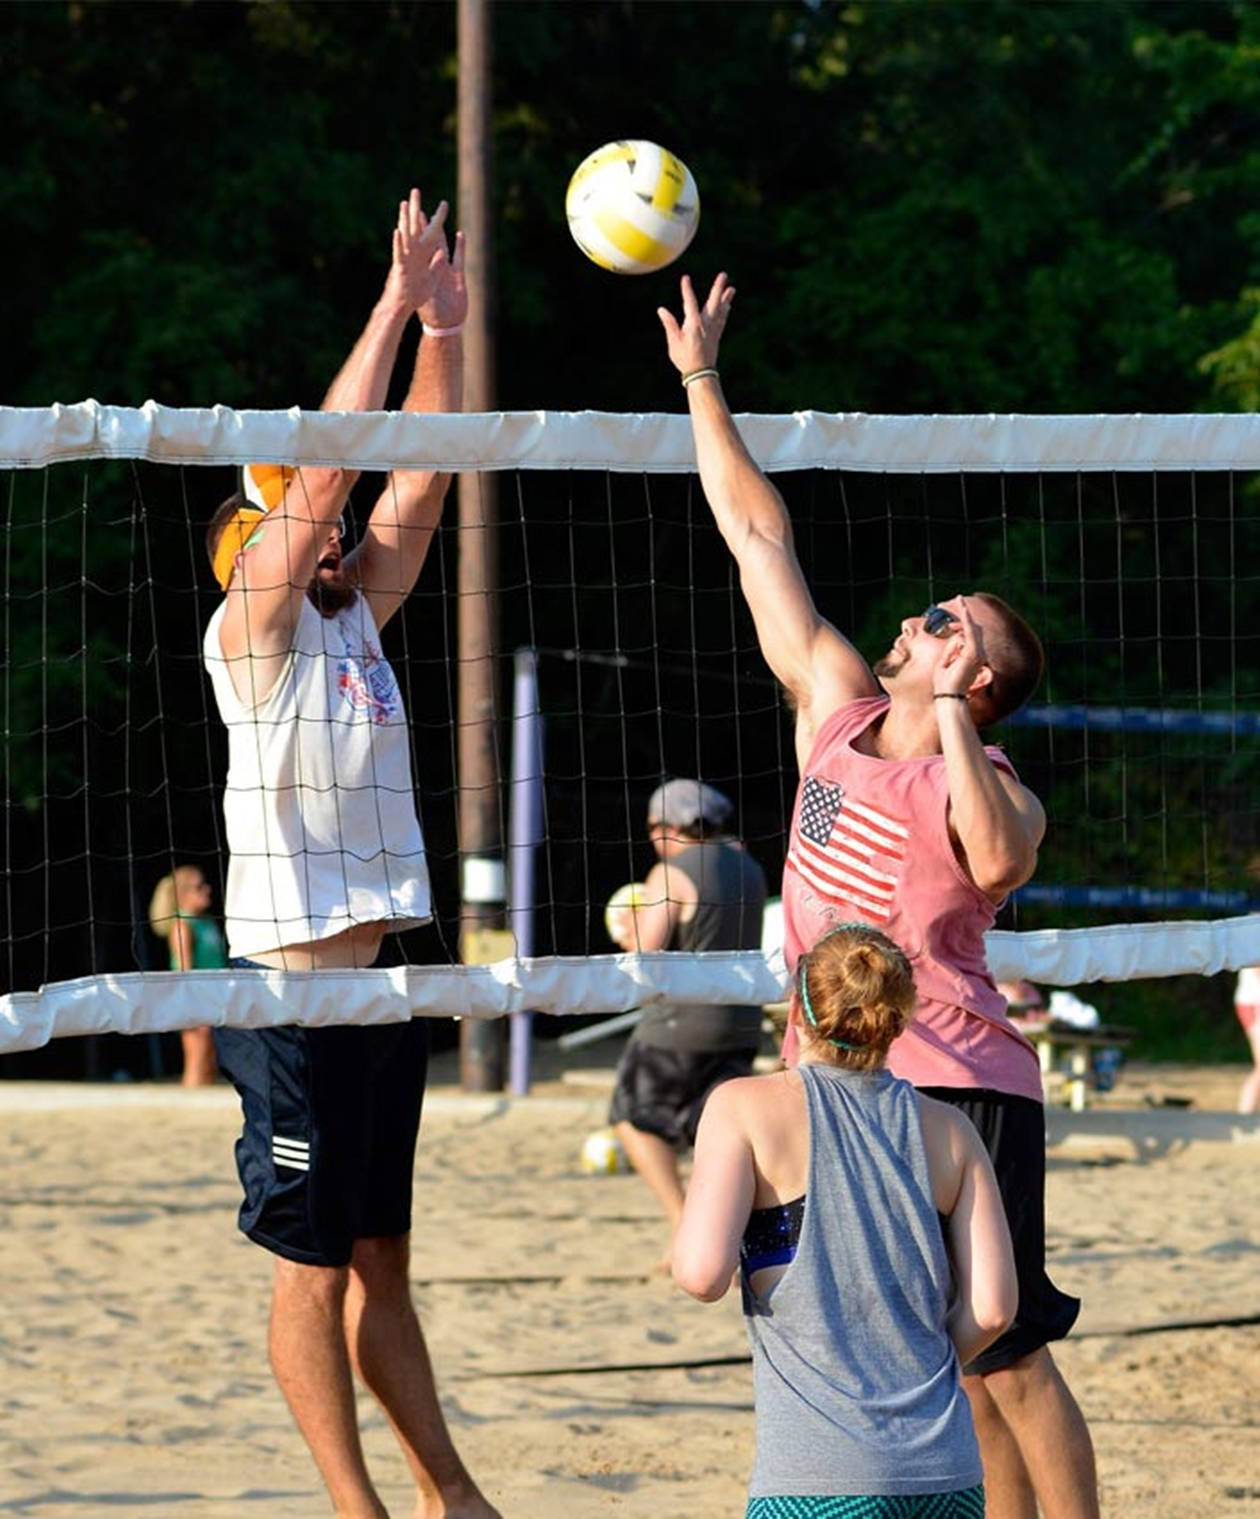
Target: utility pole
482, 878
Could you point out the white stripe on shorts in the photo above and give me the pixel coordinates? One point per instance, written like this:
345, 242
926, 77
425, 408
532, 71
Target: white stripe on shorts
292, 1154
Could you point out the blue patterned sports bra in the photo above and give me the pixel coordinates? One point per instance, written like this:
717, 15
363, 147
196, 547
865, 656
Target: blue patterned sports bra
771, 1236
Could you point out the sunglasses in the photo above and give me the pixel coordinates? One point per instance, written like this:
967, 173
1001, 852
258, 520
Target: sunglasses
938, 622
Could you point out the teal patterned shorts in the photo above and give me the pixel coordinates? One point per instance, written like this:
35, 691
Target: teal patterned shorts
967, 1504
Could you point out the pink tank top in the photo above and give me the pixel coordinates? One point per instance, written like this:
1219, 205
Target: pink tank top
870, 841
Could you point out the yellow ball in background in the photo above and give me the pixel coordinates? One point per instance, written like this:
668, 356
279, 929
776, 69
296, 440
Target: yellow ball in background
602, 1154
621, 904
632, 207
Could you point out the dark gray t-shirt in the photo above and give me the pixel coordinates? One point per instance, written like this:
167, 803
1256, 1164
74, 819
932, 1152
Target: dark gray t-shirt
731, 897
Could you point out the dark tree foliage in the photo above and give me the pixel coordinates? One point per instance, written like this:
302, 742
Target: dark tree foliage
938, 205
927, 206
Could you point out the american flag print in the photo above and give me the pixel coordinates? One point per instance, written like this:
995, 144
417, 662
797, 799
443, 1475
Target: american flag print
847, 852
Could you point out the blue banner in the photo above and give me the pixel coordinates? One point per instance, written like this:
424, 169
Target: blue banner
1134, 719
1154, 899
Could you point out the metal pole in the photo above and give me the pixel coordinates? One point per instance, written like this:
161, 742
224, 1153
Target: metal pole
481, 846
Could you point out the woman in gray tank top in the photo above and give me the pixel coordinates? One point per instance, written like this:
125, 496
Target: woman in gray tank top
872, 1253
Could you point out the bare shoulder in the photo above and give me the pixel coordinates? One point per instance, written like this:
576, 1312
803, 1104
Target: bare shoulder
952, 1146
753, 1096
726, 1111
838, 672
946, 1132
741, 1090
674, 882
837, 675
1031, 812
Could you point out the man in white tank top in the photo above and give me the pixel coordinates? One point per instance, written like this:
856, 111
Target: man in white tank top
326, 858
906, 821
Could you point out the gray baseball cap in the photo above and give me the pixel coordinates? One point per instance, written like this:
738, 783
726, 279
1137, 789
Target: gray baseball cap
684, 803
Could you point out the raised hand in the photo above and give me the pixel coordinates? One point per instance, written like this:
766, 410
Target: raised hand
694, 343
963, 657
419, 249
447, 304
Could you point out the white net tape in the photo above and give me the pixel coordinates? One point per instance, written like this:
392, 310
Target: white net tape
139, 1002
136, 1002
653, 442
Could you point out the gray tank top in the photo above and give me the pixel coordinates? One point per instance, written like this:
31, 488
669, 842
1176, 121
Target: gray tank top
858, 1389
731, 898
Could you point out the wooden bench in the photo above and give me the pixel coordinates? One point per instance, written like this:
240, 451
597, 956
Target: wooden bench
1055, 1040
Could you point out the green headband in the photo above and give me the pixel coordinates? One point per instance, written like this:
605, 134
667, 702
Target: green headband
813, 1022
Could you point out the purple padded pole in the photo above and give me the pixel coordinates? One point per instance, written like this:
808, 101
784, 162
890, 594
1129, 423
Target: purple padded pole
524, 834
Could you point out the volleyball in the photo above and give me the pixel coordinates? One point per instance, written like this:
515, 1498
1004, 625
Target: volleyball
602, 1154
620, 905
632, 207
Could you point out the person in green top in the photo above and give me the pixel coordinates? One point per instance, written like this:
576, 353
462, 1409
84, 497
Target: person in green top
179, 912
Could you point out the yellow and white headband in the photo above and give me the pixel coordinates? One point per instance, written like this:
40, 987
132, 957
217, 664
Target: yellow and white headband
263, 486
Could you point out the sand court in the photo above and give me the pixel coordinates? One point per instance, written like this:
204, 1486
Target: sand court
133, 1375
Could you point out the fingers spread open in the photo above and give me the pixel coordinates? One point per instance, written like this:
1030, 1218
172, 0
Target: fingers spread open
691, 307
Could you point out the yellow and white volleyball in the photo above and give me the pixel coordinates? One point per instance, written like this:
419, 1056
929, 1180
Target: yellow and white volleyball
602, 1154
618, 914
632, 207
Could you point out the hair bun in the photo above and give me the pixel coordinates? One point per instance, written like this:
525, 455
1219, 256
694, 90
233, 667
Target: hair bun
857, 992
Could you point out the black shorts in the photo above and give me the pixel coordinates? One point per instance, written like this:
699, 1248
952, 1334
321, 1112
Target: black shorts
328, 1145
1014, 1133
663, 1092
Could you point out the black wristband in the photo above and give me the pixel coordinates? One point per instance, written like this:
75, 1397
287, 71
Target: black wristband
949, 696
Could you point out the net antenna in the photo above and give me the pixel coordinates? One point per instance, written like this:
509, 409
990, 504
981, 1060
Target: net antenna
1129, 542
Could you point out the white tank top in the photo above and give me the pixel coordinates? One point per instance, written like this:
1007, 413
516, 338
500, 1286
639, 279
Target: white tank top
319, 805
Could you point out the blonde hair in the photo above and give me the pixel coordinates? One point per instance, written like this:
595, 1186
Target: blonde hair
857, 994
164, 903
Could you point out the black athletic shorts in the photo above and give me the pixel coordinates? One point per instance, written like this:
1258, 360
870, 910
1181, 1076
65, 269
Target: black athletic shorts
663, 1092
328, 1145
1014, 1133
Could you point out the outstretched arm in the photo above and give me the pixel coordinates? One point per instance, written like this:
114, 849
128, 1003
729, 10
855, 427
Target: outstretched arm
819, 667
404, 519
276, 566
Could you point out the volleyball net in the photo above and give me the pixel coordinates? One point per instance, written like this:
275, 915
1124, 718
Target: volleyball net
1130, 543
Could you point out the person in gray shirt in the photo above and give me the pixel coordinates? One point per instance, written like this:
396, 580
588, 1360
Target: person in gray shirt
872, 1250
706, 892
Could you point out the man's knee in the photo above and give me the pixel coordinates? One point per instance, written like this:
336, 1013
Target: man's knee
984, 1411
307, 1279
381, 1264
303, 1296
1024, 1382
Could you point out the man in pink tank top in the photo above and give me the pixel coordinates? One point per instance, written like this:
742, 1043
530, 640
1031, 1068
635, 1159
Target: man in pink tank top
905, 820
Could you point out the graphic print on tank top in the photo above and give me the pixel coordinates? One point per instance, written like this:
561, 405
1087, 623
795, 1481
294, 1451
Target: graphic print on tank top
850, 854
367, 683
